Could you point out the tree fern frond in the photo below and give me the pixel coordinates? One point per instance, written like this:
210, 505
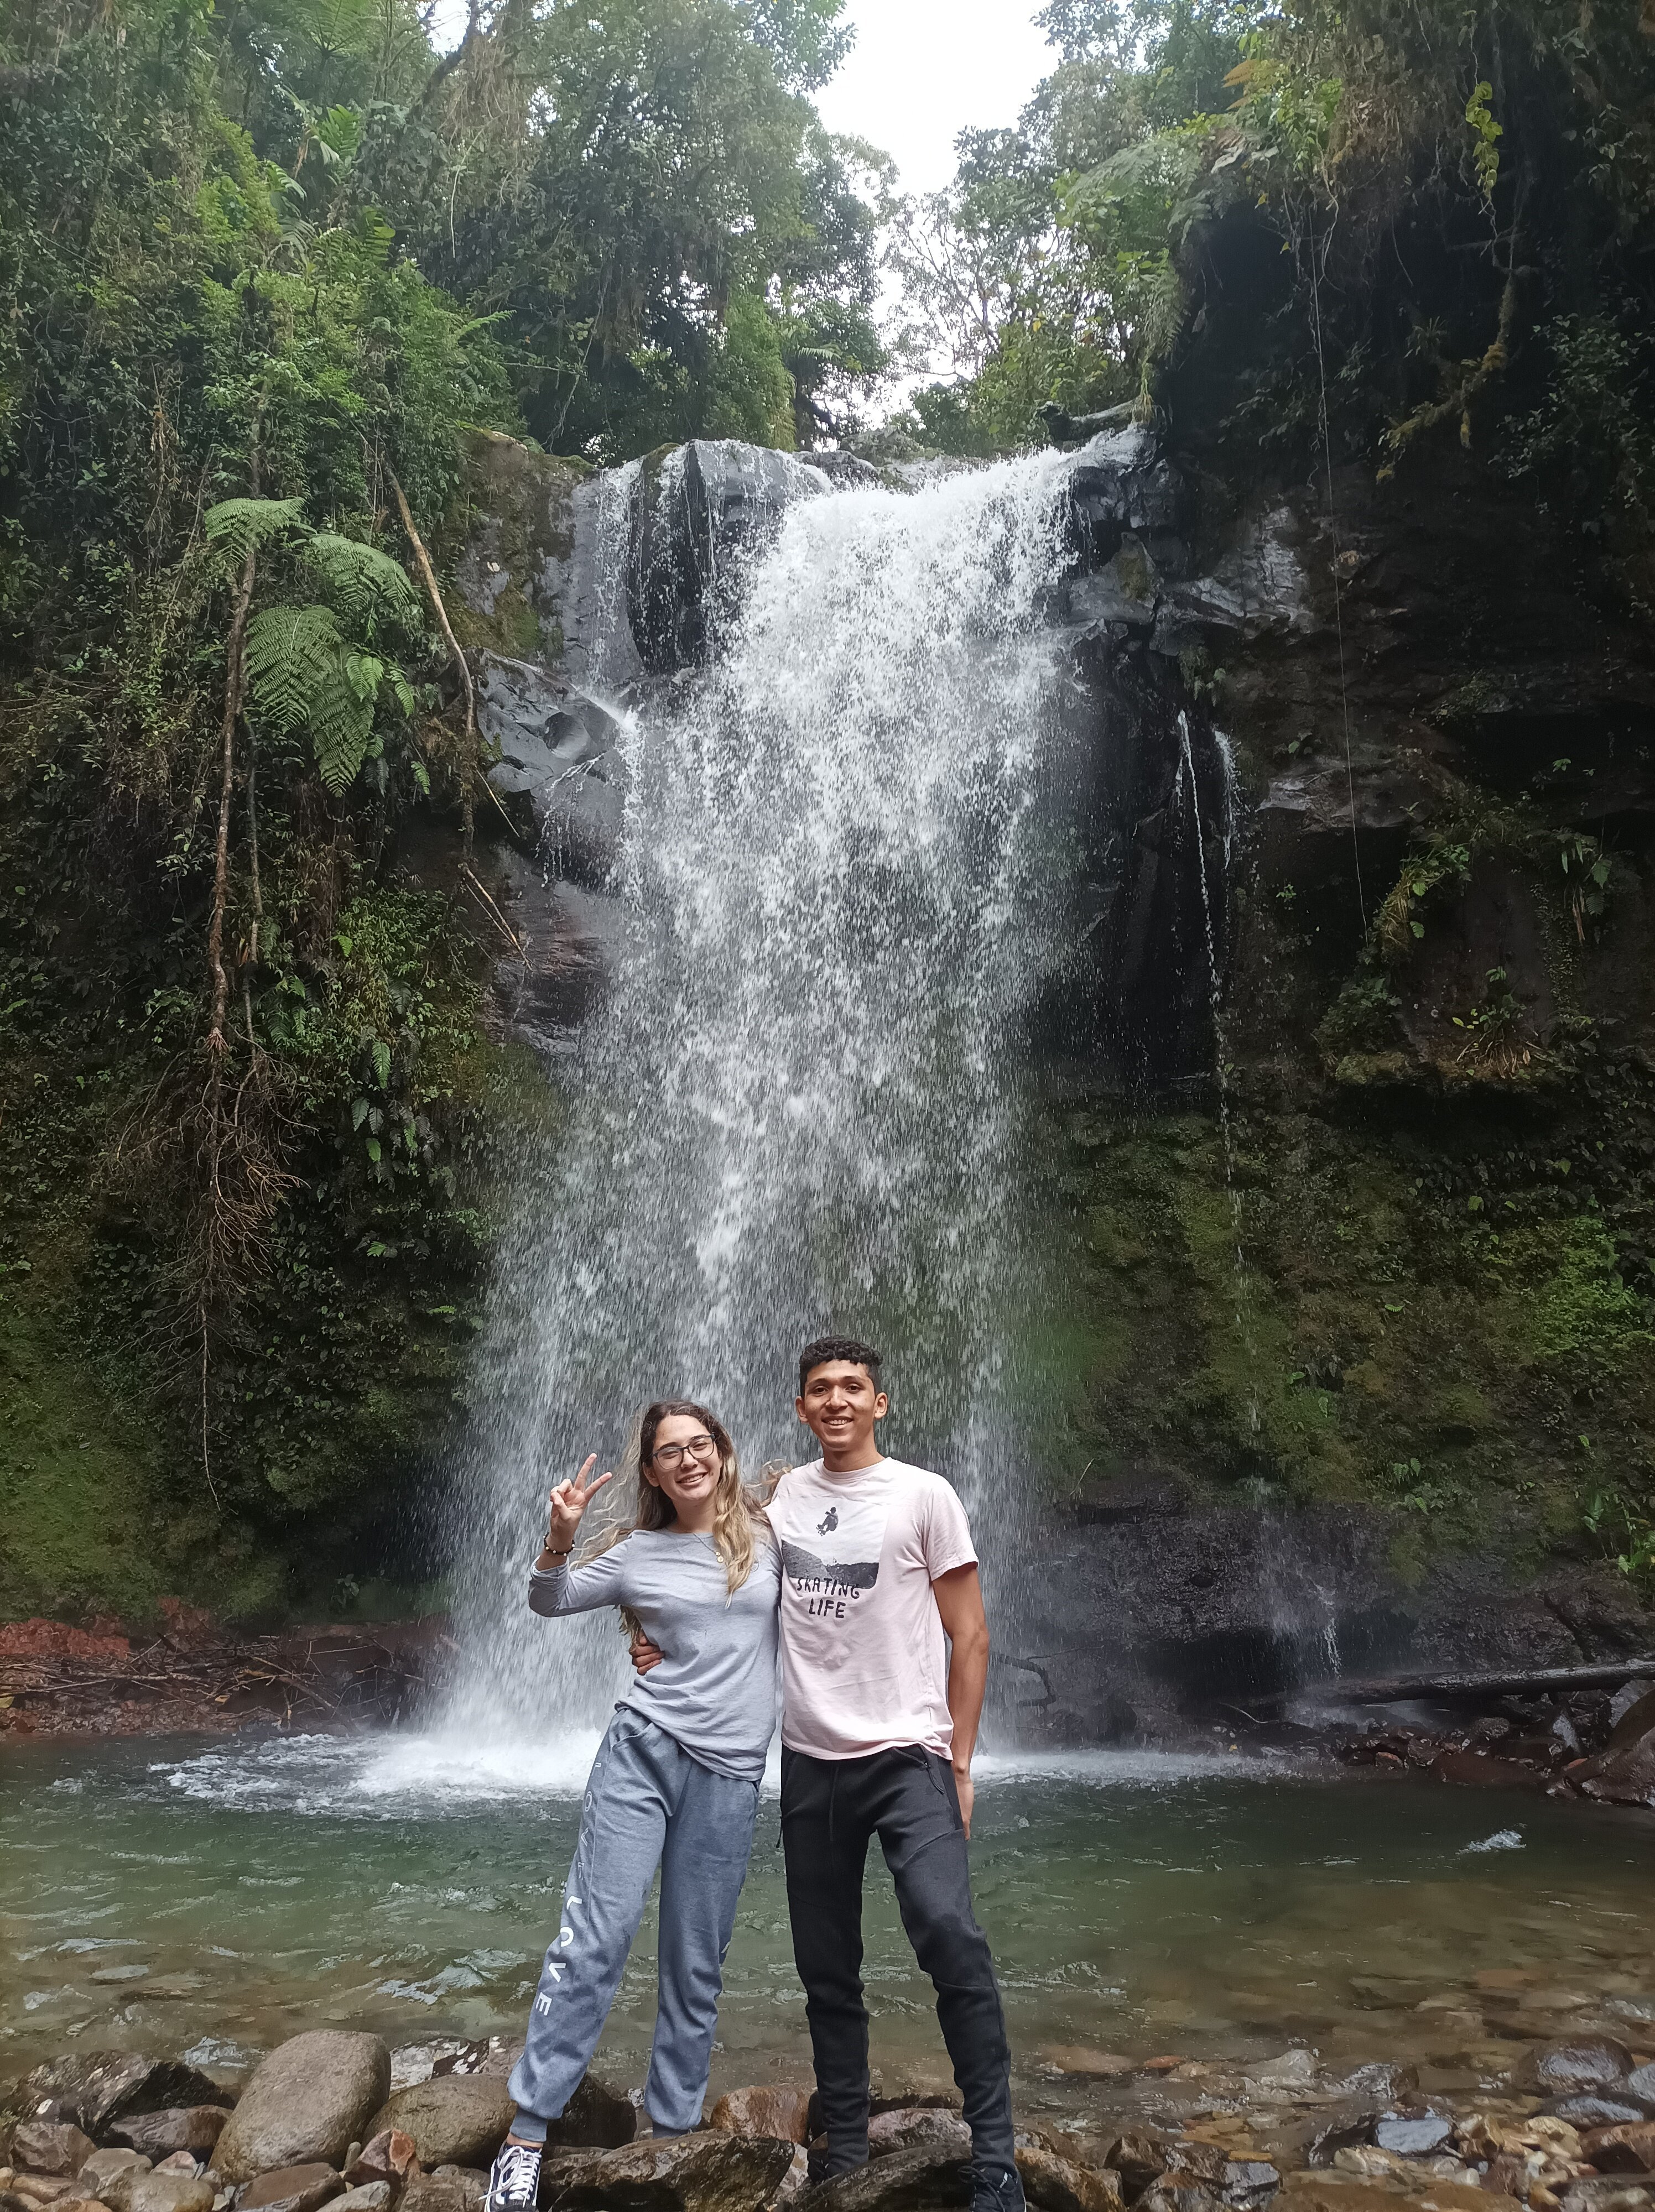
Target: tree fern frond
239, 525
295, 660
363, 583
341, 724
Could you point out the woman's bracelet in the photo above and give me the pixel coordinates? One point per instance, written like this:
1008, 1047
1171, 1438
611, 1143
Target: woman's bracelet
546, 1550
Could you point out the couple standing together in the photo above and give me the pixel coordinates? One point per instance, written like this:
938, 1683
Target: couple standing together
861, 1567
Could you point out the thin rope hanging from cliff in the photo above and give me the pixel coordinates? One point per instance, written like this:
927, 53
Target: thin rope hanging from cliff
1333, 533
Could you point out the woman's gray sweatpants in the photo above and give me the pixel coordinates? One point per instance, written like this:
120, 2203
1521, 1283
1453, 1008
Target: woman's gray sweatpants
647, 1804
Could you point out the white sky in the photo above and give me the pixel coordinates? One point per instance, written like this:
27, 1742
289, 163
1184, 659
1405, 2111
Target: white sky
922, 70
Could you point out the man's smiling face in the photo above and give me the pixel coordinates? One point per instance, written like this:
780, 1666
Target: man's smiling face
839, 1405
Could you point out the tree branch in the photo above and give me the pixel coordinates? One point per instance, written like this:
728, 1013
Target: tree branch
422, 560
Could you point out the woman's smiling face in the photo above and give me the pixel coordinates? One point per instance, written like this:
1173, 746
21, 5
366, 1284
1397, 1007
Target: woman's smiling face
684, 1463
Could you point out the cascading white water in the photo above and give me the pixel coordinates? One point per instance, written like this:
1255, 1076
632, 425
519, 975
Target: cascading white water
797, 1107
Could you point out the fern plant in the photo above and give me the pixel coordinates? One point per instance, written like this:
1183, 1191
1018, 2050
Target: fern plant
305, 671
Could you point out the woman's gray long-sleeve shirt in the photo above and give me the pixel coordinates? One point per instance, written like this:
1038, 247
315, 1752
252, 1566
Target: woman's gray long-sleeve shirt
715, 1691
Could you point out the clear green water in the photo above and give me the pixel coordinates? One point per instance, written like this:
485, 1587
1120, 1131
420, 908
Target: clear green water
215, 1900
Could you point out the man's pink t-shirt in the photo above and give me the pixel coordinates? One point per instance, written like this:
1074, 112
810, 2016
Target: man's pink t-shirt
864, 1659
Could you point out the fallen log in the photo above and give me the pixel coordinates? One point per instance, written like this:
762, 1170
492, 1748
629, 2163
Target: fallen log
1453, 1689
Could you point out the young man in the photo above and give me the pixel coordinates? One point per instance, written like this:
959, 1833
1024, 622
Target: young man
879, 1723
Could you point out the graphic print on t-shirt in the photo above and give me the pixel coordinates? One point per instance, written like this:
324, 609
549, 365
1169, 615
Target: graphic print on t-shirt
830, 1580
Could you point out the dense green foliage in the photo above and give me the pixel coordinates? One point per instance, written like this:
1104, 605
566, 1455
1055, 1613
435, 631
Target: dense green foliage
1465, 198
263, 267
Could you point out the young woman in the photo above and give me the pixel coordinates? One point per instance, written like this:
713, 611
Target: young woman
675, 1783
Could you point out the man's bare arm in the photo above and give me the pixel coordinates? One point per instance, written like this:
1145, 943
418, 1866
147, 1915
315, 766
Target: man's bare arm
959, 1600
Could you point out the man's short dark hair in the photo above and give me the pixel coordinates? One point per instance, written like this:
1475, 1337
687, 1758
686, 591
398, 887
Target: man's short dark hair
837, 1347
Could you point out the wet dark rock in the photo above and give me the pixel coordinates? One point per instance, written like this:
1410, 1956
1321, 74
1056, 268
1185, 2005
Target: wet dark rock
1053, 2183
1174, 2193
764, 2110
1629, 2148
844, 471
561, 776
1413, 2138
1579, 2064
1199, 2161
292, 2189
97, 2088
907, 2128
306, 2103
1631, 1694
1123, 483
1250, 2182
707, 2172
1139, 2157
54, 2147
194, 2128
1586, 2112
1625, 1777
598, 2116
1641, 2086
696, 511
453, 2119
923, 2180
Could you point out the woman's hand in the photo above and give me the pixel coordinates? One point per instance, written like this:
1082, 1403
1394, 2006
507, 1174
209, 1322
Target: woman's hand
568, 1501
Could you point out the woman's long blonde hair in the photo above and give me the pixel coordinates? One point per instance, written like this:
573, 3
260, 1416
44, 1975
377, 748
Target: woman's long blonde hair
739, 1520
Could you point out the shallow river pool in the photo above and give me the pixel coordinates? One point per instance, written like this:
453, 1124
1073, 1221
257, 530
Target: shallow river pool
213, 1901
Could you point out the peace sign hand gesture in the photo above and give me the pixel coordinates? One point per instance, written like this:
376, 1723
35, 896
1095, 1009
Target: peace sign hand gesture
569, 1502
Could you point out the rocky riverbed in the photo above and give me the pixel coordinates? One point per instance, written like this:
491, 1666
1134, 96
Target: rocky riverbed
334, 2118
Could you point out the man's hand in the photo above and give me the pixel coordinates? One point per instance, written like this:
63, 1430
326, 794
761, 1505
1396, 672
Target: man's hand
966, 1791
645, 1654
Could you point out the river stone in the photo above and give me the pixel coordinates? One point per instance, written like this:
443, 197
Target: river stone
1581, 2063
1608, 2193
1640, 2087
293, 2188
98, 2088
763, 2111
908, 2128
194, 2128
55, 2148
101, 2169
451, 2192
1413, 2138
1139, 2157
1588, 2113
706, 2172
371, 2196
923, 2180
1250, 2182
166, 2192
1057, 2184
1339, 2192
1625, 2149
39, 2189
309, 2100
1198, 2161
452, 2119
1293, 2069
598, 2116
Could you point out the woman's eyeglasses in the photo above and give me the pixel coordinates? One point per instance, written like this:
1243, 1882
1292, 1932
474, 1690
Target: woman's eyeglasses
671, 1455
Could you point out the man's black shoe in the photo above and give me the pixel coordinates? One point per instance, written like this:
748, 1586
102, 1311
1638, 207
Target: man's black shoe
996, 2189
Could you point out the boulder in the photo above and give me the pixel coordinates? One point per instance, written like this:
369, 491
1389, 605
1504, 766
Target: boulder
1582, 2062
561, 774
697, 512
1056, 2183
166, 2192
371, 2196
1608, 2193
763, 2111
42, 2188
598, 2116
1195, 2161
1589, 2112
194, 2128
1249, 2184
55, 2148
454, 2189
1639, 2086
1338, 2192
707, 2172
308, 2101
1139, 2157
292, 2189
179, 2161
1413, 2138
97, 2088
908, 2128
99, 2172
1623, 2150
452, 2119
923, 2180
1176, 2193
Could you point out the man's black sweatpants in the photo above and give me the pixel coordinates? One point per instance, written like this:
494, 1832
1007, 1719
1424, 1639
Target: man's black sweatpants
831, 1807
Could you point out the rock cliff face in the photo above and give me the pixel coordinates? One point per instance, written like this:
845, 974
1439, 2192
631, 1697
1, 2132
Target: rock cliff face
1355, 1251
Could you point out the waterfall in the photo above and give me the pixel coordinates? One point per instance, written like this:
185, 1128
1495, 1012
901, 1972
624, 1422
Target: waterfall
797, 1107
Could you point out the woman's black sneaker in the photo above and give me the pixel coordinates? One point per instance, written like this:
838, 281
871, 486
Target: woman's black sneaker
514, 2178
996, 2189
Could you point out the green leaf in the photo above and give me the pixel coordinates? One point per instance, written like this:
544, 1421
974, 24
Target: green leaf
381, 1061
374, 1149
365, 585
239, 525
358, 1113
